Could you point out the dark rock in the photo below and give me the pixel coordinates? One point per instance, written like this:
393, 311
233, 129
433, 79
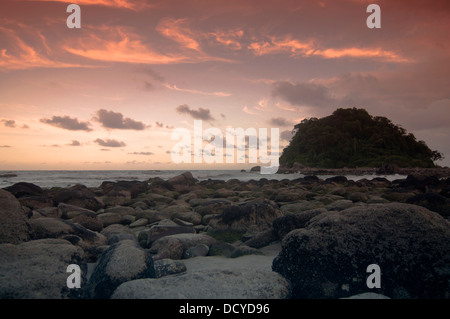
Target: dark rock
329, 258
78, 195
263, 238
148, 236
220, 248
122, 262
434, 202
24, 189
14, 227
251, 217
422, 183
337, 180
184, 179
67, 211
134, 187
285, 224
88, 222
207, 207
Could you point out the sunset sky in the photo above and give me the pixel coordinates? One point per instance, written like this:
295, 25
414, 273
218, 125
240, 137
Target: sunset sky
109, 94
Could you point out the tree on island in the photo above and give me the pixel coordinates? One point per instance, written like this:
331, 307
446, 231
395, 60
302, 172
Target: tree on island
353, 138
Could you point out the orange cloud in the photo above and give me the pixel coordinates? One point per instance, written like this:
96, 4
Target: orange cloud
175, 88
176, 30
229, 39
309, 48
23, 56
127, 48
127, 4
361, 53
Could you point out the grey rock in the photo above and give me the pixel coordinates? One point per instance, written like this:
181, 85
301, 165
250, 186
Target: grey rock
109, 219
139, 222
37, 269
122, 262
121, 210
68, 211
248, 277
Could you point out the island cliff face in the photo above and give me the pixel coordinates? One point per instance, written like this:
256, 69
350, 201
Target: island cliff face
354, 138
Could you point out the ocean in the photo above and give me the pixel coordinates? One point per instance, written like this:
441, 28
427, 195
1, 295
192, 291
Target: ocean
66, 178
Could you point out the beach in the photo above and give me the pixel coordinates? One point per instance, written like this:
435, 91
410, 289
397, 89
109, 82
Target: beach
199, 235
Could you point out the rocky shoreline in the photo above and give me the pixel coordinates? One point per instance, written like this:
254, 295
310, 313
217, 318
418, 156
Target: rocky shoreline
184, 238
391, 169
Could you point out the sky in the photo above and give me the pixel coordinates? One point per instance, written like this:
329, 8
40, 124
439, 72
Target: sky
110, 94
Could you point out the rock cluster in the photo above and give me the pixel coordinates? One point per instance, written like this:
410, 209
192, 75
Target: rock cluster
301, 238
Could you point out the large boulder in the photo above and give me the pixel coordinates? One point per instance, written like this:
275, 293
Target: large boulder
122, 262
37, 269
247, 277
184, 179
329, 257
14, 227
